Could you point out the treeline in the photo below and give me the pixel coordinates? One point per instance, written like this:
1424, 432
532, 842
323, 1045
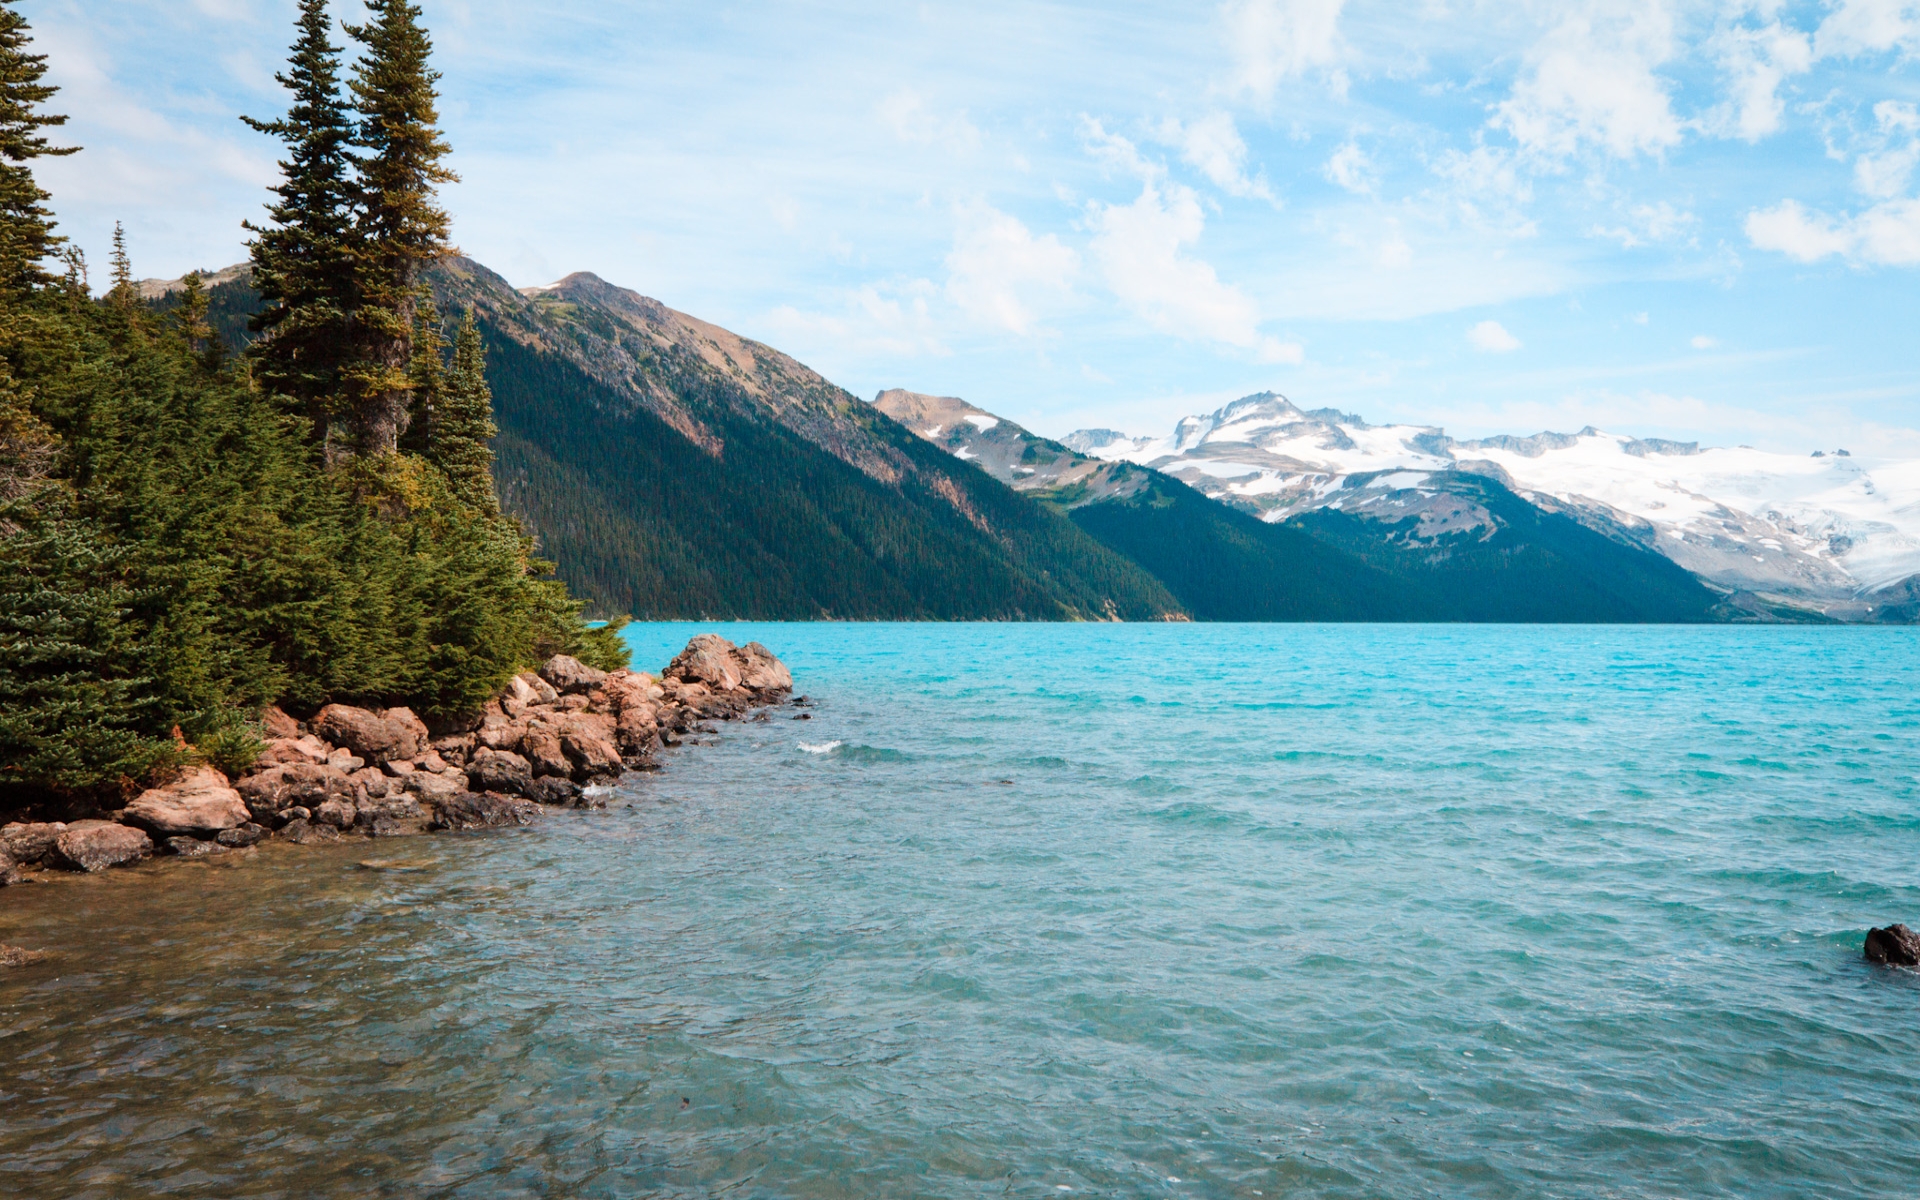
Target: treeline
187, 535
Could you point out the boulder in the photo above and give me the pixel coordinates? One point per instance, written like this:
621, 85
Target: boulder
94, 846
568, 675
499, 771
188, 847
431, 761
544, 753
303, 833
484, 811
455, 750
279, 725
373, 737
243, 837
346, 762
371, 782
761, 672
589, 743
400, 769
277, 789
9, 870
415, 725
296, 813
555, 790
303, 749
707, 659
1894, 946
432, 789
338, 814
394, 817
199, 802
29, 844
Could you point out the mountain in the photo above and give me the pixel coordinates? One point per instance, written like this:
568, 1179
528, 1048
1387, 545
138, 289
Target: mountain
1779, 535
1392, 548
675, 470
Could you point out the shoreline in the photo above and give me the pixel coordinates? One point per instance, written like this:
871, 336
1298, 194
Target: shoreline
559, 737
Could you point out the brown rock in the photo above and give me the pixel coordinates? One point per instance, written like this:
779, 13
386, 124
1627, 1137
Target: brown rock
337, 813
199, 802
374, 737
9, 870
372, 783
431, 761
94, 846
569, 675
455, 750
30, 844
590, 746
761, 672
246, 835
273, 791
432, 789
707, 659
544, 753
188, 847
278, 724
302, 833
1894, 946
415, 725
303, 749
499, 771
401, 768
485, 811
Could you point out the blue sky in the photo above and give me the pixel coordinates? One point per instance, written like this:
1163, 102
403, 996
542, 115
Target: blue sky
1683, 218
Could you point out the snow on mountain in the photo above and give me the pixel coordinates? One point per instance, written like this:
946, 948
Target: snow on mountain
1827, 531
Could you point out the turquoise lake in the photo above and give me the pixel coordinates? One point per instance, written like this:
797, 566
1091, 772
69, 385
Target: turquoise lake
1038, 911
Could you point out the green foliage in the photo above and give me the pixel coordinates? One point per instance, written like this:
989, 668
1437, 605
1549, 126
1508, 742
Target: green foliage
645, 521
303, 260
400, 227
26, 225
463, 432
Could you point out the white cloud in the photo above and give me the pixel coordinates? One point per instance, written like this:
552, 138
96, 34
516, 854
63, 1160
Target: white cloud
1591, 83
1491, 337
1647, 224
891, 320
1868, 27
1351, 169
1883, 173
1885, 235
997, 265
1213, 144
906, 113
1140, 248
1276, 40
1759, 61
1703, 342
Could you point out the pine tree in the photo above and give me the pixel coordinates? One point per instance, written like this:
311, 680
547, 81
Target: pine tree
303, 264
427, 378
463, 433
123, 293
402, 229
26, 226
191, 320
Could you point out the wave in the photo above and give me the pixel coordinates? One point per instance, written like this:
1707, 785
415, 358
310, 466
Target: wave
822, 748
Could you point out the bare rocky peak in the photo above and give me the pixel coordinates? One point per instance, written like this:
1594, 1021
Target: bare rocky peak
1011, 454
160, 289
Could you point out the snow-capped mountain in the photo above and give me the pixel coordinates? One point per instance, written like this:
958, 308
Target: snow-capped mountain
1829, 531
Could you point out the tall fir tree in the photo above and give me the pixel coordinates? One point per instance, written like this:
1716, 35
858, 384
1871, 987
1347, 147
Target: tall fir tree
123, 294
402, 228
303, 262
26, 225
427, 378
464, 430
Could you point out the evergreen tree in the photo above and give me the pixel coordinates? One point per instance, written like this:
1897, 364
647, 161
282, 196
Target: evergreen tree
123, 293
427, 378
464, 430
402, 229
303, 264
191, 319
26, 226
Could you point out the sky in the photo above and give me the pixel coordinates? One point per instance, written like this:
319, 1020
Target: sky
1696, 219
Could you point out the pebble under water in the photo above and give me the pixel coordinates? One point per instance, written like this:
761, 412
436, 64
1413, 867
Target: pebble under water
1036, 911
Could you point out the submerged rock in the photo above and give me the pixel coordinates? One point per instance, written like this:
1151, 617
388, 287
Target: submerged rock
188, 847
484, 810
243, 836
1894, 946
94, 846
199, 802
555, 790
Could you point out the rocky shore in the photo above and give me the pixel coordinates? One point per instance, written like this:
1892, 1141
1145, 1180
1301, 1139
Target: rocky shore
557, 737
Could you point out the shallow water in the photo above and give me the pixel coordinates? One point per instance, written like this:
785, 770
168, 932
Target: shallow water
1131, 911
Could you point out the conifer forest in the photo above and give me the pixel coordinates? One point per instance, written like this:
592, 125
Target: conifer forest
187, 534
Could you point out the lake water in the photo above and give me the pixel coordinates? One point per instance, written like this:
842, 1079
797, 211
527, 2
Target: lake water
1038, 911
